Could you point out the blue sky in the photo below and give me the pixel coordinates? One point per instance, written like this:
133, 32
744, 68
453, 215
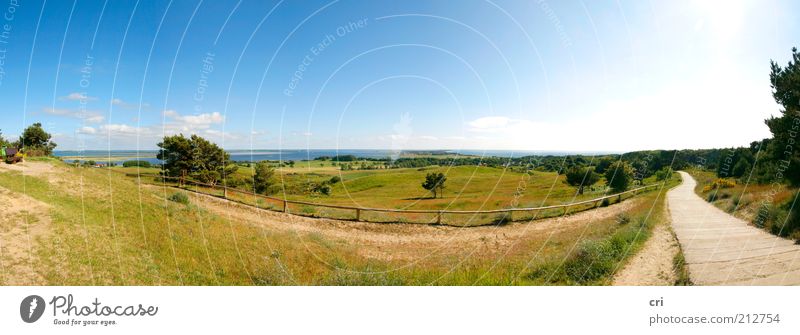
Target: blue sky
508, 75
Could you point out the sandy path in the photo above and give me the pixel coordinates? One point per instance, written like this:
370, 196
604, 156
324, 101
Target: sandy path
723, 250
405, 241
652, 266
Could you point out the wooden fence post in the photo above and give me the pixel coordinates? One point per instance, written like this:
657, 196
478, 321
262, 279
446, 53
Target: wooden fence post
439, 218
358, 214
285, 208
510, 216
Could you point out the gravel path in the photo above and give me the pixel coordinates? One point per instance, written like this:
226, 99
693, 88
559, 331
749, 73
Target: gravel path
723, 250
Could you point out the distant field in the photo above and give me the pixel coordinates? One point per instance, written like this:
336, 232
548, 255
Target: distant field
468, 187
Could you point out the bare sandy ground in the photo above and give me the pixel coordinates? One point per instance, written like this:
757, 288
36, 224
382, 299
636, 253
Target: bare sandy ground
405, 241
652, 266
24, 221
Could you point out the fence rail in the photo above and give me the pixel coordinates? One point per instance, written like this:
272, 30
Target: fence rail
358, 211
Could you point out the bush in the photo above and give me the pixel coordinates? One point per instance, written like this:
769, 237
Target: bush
263, 177
738, 201
180, 198
335, 179
795, 236
720, 183
501, 219
605, 203
135, 163
714, 196
593, 260
664, 174
623, 218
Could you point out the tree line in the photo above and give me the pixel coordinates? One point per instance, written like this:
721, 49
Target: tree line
34, 141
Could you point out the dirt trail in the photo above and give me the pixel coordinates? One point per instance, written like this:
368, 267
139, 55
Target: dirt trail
24, 222
405, 241
723, 250
652, 266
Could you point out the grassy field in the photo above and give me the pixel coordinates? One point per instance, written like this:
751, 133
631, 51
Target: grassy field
105, 229
468, 187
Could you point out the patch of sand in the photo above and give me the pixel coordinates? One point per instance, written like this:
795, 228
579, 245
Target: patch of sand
55, 174
653, 265
24, 221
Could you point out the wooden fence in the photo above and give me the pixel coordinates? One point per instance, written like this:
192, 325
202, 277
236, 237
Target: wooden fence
429, 216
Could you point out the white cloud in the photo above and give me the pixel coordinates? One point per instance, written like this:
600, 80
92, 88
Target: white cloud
200, 120
127, 105
88, 116
122, 129
77, 96
87, 130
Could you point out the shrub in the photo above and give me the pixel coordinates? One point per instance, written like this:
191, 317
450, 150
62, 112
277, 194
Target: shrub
335, 179
180, 198
738, 201
324, 189
593, 260
720, 183
664, 174
135, 163
605, 203
501, 219
263, 177
714, 196
795, 235
623, 218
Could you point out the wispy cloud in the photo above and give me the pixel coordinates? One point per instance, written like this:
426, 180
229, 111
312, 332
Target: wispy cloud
127, 105
86, 130
88, 116
78, 96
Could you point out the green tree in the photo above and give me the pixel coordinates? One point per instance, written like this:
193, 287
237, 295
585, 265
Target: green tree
176, 153
35, 141
581, 177
263, 177
619, 176
603, 164
195, 157
664, 174
3, 142
786, 91
434, 182
210, 163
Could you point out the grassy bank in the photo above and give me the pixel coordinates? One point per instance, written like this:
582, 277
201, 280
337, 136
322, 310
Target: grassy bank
108, 230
